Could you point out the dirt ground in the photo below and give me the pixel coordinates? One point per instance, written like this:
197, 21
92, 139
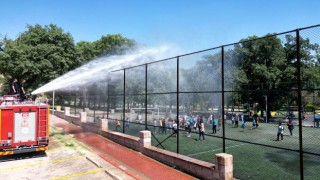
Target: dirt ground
65, 159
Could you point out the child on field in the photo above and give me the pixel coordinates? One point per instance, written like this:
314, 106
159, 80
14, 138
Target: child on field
118, 124
160, 125
154, 125
280, 131
236, 121
188, 129
290, 126
253, 123
257, 122
219, 124
175, 128
214, 126
233, 118
195, 126
127, 122
243, 125
201, 129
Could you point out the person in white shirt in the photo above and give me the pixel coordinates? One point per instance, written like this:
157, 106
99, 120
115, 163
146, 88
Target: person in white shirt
280, 131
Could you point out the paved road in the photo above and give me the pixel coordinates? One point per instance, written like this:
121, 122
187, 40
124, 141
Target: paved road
131, 162
61, 161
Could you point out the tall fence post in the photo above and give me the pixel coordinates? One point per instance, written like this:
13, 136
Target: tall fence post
108, 94
299, 102
124, 99
75, 103
94, 108
53, 99
146, 97
178, 123
222, 101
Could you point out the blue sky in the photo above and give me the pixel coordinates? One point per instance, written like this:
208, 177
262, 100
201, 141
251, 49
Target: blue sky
189, 24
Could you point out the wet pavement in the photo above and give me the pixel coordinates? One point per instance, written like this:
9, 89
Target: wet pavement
129, 161
61, 161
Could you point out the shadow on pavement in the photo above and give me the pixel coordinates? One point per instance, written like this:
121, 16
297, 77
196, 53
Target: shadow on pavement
31, 155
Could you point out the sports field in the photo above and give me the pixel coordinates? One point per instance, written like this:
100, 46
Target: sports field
257, 154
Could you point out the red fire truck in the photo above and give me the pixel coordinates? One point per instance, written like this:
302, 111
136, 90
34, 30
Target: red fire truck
24, 126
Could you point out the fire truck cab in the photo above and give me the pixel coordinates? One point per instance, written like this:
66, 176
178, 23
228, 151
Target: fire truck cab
24, 126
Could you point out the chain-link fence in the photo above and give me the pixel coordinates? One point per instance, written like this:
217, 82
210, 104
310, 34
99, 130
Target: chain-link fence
256, 99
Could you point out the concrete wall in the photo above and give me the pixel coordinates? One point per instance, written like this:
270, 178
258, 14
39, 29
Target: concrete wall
70, 118
198, 168
57, 113
123, 139
91, 127
223, 169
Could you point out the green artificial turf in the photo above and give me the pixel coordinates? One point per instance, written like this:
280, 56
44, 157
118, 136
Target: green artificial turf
251, 161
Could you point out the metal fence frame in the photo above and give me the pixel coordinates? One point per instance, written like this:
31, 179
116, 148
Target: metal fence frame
223, 91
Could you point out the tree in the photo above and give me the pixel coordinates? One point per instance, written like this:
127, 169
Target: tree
38, 55
86, 51
310, 64
106, 46
113, 44
267, 71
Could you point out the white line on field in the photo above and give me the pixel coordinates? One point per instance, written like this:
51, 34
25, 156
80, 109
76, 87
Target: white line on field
203, 152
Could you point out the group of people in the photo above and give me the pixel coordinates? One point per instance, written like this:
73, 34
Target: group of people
19, 89
189, 123
193, 122
118, 123
241, 117
196, 123
281, 129
163, 123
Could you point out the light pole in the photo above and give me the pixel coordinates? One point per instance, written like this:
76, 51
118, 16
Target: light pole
53, 102
266, 108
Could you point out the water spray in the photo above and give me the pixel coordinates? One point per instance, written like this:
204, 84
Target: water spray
98, 69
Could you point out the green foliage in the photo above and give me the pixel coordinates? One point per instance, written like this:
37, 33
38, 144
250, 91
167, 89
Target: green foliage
86, 51
113, 44
43, 53
253, 69
309, 107
256, 68
3, 81
270, 65
105, 46
38, 55
264, 67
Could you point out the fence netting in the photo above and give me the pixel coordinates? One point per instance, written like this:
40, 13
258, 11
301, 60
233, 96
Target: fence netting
257, 99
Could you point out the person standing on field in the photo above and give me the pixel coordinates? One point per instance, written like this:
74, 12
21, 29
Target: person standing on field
160, 125
164, 128
127, 122
236, 122
201, 129
140, 119
118, 124
154, 125
175, 128
243, 125
214, 126
280, 131
188, 128
290, 126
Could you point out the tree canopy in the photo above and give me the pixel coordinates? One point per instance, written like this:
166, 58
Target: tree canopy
254, 68
43, 53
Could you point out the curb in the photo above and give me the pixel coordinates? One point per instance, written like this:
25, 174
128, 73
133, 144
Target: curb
95, 160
